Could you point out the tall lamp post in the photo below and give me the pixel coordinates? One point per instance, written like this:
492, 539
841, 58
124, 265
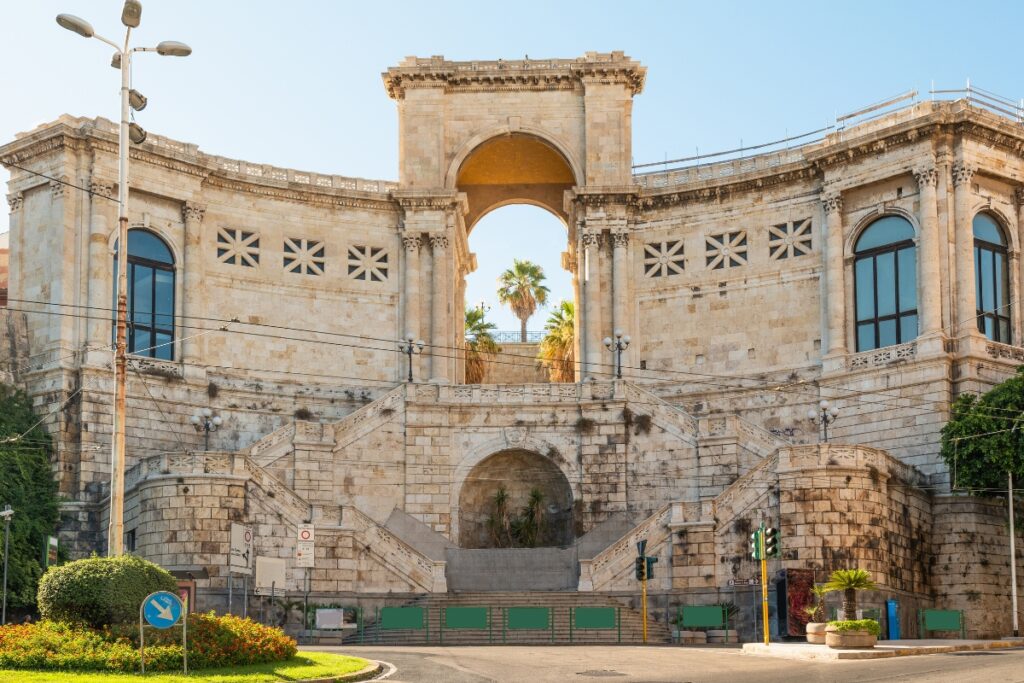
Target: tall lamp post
617, 345
409, 346
131, 15
6, 513
205, 421
825, 415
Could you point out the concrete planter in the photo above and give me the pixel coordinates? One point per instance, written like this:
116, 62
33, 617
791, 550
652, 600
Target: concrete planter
860, 638
816, 633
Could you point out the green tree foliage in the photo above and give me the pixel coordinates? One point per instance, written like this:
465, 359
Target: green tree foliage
479, 345
100, 591
984, 438
849, 581
557, 350
28, 486
521, 287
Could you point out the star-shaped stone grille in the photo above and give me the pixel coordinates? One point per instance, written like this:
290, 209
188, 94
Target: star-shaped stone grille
368, 263
726, 250
238, 247
788, 240
662, 259
304, 256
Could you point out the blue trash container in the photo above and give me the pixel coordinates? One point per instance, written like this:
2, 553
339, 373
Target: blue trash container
893, 619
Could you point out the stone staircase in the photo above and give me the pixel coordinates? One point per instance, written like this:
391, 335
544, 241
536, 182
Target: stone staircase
560, 603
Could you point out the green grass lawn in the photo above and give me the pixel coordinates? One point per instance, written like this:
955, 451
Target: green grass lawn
303, 666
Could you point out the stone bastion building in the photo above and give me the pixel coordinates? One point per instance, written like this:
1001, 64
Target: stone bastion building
878, 268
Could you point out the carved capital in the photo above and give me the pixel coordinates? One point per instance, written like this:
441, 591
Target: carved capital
1018, 195
620, 240
590, 239
927, 176
411, 243
58, 187
439, 242
193, 212
15, 200
832, 202
103, 188
962, 173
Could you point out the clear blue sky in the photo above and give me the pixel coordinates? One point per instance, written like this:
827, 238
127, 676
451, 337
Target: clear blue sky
297, 84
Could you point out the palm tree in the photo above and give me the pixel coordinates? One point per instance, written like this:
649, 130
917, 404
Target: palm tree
479, 344
520, 287
557, 349
849, 581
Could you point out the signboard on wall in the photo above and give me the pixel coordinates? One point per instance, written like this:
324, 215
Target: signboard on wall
304, 551
271, 573
240, 558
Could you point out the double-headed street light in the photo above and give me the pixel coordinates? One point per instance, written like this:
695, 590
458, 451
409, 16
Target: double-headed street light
131, 15
617, 345
205, 421
825, 415
409, 346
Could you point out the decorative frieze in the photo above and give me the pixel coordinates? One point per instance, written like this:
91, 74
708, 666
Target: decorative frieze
883, 356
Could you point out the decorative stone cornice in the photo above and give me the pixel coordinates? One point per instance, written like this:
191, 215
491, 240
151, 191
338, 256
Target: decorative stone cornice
327, 199
927, 176
832, 201
962, 173
191, 211
426, 200
411, 243
514, 75
15, 200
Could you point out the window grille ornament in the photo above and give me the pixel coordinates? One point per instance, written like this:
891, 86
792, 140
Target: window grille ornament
726, 250
789, 240
238, 247
304, 256
367, 263
662, 259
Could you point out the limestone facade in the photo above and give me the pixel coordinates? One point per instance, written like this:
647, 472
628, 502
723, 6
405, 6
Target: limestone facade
736, 281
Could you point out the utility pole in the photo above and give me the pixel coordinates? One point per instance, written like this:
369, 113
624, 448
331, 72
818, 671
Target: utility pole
764, 585
1013, 558
6, 514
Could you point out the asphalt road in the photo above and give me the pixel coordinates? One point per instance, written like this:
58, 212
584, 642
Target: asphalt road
585, 664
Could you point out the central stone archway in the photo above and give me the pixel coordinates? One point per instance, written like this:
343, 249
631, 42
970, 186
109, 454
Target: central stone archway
518, 472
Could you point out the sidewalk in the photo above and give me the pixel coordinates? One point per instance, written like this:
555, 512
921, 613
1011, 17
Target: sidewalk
885, 648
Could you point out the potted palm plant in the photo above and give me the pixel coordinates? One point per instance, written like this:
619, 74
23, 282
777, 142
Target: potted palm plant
816, 616
850, 631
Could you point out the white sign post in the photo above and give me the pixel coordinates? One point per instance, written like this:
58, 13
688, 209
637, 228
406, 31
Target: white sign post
304, 553
240, 561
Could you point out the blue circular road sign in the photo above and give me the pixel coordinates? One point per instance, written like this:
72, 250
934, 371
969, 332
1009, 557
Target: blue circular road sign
162, 609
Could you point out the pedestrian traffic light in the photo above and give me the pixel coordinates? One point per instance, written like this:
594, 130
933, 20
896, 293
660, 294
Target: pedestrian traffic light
641, 569
650, 566
771, 542
755, 545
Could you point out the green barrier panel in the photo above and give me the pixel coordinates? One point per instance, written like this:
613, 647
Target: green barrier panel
528, 619
594, 618
711, 616
395, 618
942, 620
466, 617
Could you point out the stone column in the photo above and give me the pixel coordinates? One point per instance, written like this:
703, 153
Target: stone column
835, 294
1016, 314
411, 296
100, 284
192, 271
620, 293
15, 201
439, 308
930, 287
965, 318
591, 292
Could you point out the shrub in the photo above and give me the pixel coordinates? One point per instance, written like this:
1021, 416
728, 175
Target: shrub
869, 625
227, 640
99, 591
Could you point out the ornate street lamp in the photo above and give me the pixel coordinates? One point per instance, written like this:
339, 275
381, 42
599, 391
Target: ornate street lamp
205, 421
617, 345
409, 346
825, 415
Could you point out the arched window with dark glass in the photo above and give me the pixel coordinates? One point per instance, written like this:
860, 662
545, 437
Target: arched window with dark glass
150, 295
991, 279
885, 278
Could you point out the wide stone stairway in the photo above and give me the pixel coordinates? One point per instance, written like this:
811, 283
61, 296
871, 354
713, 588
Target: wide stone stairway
627, 628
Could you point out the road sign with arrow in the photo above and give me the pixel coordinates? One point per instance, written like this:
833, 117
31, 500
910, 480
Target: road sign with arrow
162, 609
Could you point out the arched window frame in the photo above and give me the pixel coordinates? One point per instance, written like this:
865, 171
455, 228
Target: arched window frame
143, 339
997, 318
902, 336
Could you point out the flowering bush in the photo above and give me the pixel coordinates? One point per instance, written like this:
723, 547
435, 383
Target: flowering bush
213, 641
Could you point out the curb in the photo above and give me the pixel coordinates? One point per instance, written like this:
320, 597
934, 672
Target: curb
847, 655
369, 671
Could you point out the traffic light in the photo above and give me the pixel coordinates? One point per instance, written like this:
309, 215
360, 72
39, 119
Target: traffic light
755, 545
771, 542
650, 567
641, 568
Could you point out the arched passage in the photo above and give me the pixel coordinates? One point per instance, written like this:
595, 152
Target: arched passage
518, 473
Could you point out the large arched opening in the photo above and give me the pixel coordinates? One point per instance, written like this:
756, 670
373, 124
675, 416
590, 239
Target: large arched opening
515, 498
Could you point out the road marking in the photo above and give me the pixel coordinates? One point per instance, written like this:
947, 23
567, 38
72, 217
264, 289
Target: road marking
391, 669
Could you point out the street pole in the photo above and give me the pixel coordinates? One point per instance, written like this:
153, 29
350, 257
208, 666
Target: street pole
7, 513
643, 599
1013, 560
764, 585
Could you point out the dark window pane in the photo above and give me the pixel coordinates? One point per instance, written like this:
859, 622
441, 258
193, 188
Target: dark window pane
865, 289
908, 328
164, 295
886, 282
142, 289
907, 260
986, 228
886, 332
865, 336
886, 230
987, 295
1002, 283
978, 284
